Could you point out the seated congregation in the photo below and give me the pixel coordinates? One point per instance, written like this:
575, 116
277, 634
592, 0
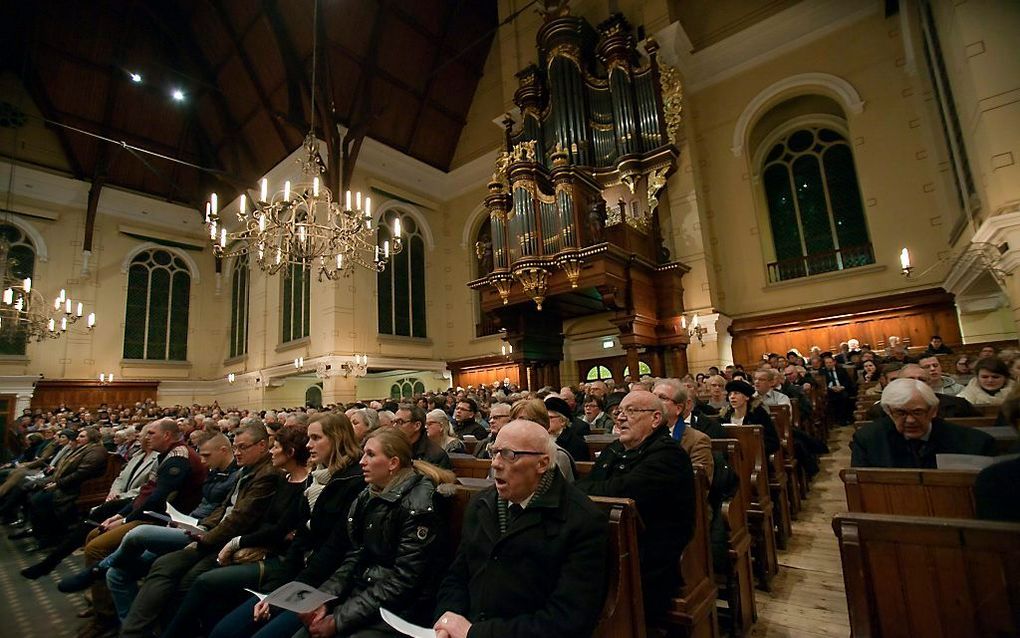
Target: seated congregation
651, 509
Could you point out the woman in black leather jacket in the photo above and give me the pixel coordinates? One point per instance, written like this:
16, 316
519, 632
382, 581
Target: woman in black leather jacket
396, 556
320, 540
744, 409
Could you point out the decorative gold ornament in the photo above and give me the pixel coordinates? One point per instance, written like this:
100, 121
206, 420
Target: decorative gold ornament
534, 280
571, 265
656, 181
672, 102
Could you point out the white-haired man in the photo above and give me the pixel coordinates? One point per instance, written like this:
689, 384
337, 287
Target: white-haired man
910, 434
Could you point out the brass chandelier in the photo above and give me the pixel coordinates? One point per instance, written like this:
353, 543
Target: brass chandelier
301, 225
25, 311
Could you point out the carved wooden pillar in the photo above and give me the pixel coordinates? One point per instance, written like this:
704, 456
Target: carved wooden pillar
657, 363
633, 363
677, 363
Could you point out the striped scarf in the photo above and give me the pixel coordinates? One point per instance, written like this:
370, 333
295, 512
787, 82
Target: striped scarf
502, 505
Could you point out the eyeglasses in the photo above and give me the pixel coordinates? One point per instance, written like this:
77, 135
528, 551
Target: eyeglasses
509, 455
399, 422
633, 412
241, 447
917, 413
493, 417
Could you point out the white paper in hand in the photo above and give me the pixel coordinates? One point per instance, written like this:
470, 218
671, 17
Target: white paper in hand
298, 598
404, 627
261, 597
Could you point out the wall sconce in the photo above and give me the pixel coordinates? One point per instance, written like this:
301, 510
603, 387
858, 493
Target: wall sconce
299, 363
984, 254
696, 330
105, 378
358, 367
506, 348
231, 378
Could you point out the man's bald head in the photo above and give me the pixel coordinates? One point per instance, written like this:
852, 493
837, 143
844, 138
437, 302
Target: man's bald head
914, 371
534, 451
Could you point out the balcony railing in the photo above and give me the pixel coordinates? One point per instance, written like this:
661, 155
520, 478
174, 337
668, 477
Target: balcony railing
820, 263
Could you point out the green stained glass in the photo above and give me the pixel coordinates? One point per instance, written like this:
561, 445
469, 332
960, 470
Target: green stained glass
135, 312
847, 208
402, 284
179, 305
159, 314
417, 256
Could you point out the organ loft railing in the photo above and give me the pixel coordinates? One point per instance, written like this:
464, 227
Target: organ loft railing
586, 161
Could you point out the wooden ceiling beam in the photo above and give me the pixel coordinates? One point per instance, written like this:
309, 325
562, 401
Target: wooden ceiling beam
445, 31
252, 72
458, 57
37, 91
293, 64
175, 35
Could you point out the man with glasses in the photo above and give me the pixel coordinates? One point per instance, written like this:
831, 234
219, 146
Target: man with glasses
499, 415
910, 434
647, 465
240, 513
410, 419
532, 555
676, 409
465, 420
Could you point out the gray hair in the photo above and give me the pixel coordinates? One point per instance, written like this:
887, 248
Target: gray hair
385, 417
370, 416
899, 392
677, 391
443, 418
251, 420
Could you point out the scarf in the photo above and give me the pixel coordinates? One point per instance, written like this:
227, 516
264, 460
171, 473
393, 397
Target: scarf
502, 505
319, 480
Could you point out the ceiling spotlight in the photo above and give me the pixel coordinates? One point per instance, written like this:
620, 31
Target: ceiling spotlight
178, 95
136, 78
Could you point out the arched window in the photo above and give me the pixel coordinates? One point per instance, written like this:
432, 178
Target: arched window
313, 397
814, 205
295, 303
20, 265
599, 373
402, 284
156, 313
407, 388
239, 307
643, 370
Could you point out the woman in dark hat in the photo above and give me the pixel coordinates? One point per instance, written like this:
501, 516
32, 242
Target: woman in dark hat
561, 428
744, 409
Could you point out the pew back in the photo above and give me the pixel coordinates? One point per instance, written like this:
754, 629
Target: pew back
913, 576
945, 493
94, 490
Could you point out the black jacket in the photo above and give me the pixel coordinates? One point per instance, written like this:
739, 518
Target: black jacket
659, 477
879, 444
425, 449
325, 535
995, 492
545, 577
758, 415
470, 426
395, 556
573, 442
218, 484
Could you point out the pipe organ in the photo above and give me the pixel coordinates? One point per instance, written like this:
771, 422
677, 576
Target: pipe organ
573, 200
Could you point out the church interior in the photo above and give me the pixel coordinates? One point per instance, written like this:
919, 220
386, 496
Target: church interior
323, 202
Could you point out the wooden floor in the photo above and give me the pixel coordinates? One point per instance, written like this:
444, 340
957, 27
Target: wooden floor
807, 597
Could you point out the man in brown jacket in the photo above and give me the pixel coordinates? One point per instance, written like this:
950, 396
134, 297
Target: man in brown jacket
239, 514
675, 406
53, 509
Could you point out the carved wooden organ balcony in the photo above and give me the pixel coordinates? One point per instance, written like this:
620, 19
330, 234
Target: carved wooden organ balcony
573, 203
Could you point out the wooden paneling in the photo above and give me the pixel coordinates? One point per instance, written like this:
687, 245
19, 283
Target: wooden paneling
914, 317
91, 394
484, 371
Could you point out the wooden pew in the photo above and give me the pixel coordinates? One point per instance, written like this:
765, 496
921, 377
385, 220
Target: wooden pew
737, 583
796, 480
623, 614
470, 467
694, 610
778, 491
945, 493
919, 576
94, 490
598, 442
760, 508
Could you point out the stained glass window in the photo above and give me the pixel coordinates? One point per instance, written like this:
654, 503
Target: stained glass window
20, 265
402, 283
295, 303
156, 310
239, 307
598, 373
815, 206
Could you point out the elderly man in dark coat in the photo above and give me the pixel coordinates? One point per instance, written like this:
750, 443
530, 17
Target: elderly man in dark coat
910, 434
647, 465
532, 557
